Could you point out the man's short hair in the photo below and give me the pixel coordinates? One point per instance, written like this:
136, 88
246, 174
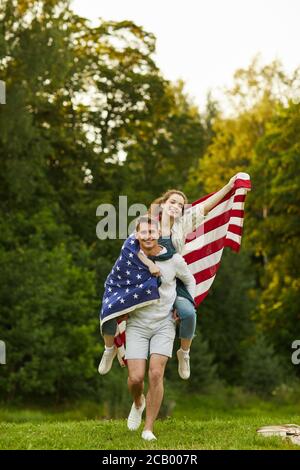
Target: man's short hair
148, 220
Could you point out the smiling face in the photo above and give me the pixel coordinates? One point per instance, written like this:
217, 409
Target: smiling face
173, 206
147, 234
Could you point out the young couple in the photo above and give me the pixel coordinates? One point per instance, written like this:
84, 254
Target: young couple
150, 329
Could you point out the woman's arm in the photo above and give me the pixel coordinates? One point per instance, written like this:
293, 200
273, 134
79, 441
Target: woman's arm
165, 226
218, 196
154, 270
195, 215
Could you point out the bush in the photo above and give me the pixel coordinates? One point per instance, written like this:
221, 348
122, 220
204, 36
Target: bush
262, 370
49, 324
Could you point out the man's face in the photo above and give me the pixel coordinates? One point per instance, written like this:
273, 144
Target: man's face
147, 235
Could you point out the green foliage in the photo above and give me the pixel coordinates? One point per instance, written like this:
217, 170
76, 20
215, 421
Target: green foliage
203, 367
277, 233
224, 316
262, 369
48, 321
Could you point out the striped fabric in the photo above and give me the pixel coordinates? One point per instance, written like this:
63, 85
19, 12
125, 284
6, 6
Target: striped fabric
203, 249
223, 226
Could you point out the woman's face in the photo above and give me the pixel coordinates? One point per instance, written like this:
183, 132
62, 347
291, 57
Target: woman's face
173, 206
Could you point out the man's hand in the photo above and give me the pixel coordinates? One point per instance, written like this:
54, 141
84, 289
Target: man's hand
123, 317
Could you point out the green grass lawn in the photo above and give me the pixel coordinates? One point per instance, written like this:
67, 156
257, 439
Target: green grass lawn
172, 433
226, 421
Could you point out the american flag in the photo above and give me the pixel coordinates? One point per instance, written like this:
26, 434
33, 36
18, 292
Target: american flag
130, 284
223, 226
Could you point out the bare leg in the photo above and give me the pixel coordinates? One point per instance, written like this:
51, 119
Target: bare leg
156, 388
185, 344
108, 340
136, 374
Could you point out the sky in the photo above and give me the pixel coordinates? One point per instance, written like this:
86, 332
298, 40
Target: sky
204, 42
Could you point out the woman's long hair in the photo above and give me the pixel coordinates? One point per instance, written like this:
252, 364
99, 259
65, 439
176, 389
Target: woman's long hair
155, 208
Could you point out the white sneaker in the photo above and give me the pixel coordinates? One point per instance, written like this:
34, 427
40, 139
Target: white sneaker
148, 436
183, 364
106, 361
135, 416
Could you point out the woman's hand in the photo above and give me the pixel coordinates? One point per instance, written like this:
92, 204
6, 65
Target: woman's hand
230, 184
154, 270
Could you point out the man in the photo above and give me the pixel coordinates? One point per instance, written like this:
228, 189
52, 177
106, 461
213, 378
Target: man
150, 330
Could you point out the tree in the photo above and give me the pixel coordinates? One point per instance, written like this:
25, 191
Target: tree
277, 233
225, 315
262, 368
88, 117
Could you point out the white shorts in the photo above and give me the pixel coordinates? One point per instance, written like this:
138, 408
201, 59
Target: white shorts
142, 341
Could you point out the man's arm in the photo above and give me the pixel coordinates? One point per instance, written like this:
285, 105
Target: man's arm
184, 274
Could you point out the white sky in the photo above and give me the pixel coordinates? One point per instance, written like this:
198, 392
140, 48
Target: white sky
205, 41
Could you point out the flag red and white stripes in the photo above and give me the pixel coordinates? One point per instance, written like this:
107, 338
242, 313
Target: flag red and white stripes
223, 226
